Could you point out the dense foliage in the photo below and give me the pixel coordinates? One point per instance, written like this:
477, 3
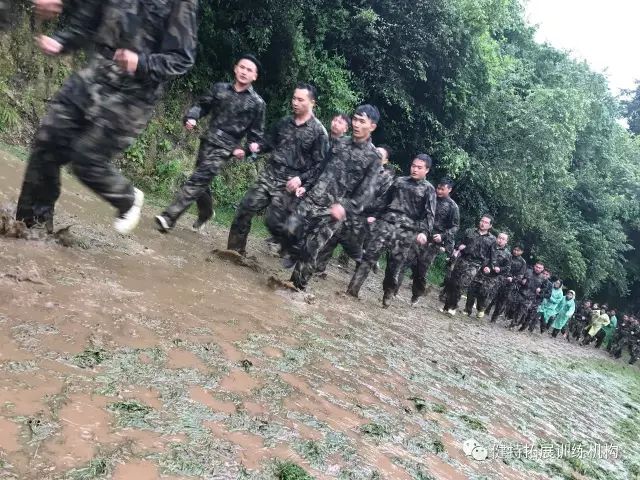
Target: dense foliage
530, 135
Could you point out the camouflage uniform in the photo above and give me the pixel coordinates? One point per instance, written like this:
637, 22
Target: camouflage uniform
297, 151
101, 109
234, 115
621, 338
484, 285
411, 210
579, 321
634, 342
525, 298
477, 253
355, 231
506, 288
349, 179
421, 257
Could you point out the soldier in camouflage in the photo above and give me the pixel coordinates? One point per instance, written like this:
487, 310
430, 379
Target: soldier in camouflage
528, 288
579, 321
236, 111
408, 219
343, 189
298, 146
474, 251
445, 227
505, 289
489, 277
139, 47
355, 230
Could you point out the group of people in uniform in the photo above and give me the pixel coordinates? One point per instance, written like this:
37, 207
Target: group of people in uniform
318, 189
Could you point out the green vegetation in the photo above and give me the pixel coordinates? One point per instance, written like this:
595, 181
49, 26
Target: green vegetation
97, 468
473, 423
290, 471
90, 358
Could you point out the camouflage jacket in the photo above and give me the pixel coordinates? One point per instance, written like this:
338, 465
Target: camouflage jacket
501, 258
532, 282
386, 176
478, 247
349, 177
162, 32
518, 267
233, 115
298, 150
583, 314
447, 221
411, 204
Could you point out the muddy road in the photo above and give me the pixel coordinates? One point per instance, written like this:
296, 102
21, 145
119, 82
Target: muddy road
147, 357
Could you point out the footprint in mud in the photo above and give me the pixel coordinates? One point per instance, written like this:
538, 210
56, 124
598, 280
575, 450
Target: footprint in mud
236, 258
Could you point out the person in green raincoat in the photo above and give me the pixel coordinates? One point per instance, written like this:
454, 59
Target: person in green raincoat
549, 306
566, 309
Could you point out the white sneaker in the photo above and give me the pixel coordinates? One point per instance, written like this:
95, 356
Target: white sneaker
126, 222
452, 312
480, 315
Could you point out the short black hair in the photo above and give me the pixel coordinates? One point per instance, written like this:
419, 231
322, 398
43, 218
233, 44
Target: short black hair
344, 117
387, 148
252, 58
519, 247
425, 158
313, 93
446, 181
486, 215
370, 111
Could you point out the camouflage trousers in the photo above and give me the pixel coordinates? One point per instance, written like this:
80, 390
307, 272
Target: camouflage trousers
482, 288
351, 235
268, 191
211, 160
384, 236
461, 277
501, 302
312, 226
95, 116
419, 260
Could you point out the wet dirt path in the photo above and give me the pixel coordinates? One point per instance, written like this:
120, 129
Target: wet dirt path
146, 357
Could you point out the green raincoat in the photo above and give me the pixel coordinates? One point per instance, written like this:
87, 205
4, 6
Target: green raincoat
566, 309
549, 306
610, 329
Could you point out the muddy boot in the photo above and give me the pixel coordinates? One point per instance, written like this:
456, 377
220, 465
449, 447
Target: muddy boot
358, 279
237, 242
386, 298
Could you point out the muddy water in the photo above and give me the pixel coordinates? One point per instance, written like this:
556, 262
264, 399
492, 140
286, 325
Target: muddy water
138, 353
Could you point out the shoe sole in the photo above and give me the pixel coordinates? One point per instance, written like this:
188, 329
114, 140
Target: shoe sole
162, 224
138, 202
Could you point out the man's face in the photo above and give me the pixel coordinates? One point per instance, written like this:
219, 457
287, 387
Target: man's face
587, 304
302, 102
546, 274
625, 318
362, 127
443, 191
502, 240
419, 169
557, 284
538, 268
517, 252
246, 72
339, 127
485, 224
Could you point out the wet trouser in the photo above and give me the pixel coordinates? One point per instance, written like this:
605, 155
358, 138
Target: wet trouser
600, 336
211, 160
312, 227
398, 240
478, 293
419, 260
501, 300
95, 116
461, 277
350, 235
270, 190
